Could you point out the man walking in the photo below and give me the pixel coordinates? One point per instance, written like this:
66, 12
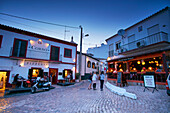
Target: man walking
102, 76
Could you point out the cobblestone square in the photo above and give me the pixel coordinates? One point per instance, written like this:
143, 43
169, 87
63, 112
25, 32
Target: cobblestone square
78, 99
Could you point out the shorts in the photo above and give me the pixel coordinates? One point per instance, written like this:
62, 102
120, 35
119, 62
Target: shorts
90, 81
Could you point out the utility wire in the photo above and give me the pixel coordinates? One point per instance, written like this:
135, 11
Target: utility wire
28, 25
39, 21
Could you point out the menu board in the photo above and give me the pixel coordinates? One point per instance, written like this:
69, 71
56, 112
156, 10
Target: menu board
149, 81
119, 77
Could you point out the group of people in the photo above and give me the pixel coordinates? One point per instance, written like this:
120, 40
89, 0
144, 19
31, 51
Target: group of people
93, 80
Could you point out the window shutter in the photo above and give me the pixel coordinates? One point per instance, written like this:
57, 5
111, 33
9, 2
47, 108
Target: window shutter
55, 53
23, 49
63, 73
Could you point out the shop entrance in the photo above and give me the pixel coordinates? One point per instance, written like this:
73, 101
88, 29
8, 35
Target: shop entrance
4, 77
53, 72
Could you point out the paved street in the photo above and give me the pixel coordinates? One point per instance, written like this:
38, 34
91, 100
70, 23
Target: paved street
77, 99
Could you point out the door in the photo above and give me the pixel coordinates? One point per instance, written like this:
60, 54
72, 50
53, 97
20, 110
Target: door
53, 75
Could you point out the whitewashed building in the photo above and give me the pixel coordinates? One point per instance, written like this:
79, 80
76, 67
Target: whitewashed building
89, 64
99, 52
26, 53
145, 45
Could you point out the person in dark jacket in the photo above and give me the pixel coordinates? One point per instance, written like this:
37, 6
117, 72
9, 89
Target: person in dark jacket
16, 80
90, 80
102, 77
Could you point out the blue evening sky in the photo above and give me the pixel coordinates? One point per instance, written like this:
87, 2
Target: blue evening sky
99, 18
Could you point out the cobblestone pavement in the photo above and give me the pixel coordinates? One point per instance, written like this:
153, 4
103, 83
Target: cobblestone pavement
78, 99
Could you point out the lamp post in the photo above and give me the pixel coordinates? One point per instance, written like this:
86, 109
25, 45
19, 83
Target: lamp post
80, 56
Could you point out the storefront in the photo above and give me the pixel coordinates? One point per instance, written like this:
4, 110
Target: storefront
135, 67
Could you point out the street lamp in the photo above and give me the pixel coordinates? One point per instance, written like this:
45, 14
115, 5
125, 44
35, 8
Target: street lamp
80, 56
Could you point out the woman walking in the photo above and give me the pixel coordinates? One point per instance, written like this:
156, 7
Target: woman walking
90, 80
102, 76
94, 79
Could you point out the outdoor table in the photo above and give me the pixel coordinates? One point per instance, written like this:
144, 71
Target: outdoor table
22, 83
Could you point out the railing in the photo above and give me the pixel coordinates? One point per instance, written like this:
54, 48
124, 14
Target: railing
151, 39
159, 76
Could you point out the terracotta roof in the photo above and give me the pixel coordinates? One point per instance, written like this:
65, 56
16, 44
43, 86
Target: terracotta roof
20, 31
166, 8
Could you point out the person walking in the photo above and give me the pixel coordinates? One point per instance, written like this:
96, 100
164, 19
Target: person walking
90, 80
94, 79
102, 76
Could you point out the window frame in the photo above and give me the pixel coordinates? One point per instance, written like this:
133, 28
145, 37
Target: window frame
140, 28
65, 53
88, 63
94, 65
119, 45
1, 38
14, 46
58, 53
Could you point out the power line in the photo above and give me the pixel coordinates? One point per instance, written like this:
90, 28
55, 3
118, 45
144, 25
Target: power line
28, 25
39, 21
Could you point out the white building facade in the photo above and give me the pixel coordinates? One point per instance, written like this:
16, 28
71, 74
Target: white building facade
145, 45
30, 54
89, 64
99, 52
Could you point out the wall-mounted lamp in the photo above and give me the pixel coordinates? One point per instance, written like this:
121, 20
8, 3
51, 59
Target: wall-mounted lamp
39, 41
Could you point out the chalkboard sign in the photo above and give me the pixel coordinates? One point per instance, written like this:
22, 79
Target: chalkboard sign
119, 77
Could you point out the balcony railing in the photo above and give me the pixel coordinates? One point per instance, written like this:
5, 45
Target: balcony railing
151, 39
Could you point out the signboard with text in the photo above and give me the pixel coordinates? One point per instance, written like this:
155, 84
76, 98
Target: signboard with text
149, 81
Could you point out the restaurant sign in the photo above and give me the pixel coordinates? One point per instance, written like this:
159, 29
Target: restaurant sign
126, 59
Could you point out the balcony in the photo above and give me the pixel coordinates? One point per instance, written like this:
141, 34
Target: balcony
146, 41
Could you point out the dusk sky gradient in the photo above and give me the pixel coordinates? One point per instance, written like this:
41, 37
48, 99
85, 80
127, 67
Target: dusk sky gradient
99, 18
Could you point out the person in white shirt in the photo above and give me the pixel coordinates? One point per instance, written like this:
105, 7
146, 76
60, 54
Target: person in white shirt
102, 76
94, 79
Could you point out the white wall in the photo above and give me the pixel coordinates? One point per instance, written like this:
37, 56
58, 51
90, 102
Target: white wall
33, 57
84, 68
162, 19
99, 52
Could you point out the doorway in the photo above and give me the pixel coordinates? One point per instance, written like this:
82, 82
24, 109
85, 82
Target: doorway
4, 78
53, 75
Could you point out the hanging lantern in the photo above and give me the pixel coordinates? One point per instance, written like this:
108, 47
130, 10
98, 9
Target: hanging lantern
138, 62
143, 63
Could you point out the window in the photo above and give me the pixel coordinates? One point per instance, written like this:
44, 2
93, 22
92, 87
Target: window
154, 29
55, 53
0, 40
93, 65
118, 45
111, 50
67, 53
19, 48
89, 64
140, 29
